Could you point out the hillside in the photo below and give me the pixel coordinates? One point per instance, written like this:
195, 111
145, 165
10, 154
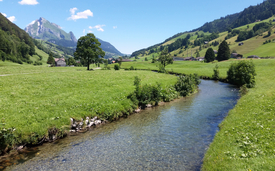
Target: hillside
180, 46
15, 44
259, 43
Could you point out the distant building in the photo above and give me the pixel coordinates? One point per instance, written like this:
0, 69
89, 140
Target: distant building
236, 55
60, 62
178, 59
200, 58
215, 51
189, 59
254, 57
241, 43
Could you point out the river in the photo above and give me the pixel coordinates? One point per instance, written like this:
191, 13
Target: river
174, 136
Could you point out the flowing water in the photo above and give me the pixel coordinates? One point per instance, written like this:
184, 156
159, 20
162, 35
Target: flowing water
174, 136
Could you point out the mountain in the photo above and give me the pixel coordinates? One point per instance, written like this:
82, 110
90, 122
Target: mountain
53, 33
110, 50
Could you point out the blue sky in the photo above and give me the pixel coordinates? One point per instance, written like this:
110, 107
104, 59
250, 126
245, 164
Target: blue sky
129, 25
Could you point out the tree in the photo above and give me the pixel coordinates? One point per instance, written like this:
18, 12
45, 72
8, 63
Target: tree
223, 52
71, 61
216, 74
209, 55
120, 61
242, 73
165, 58
197, 53
50, 59
88, 49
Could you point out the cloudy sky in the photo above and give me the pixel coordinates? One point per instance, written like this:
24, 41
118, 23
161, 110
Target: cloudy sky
129, 25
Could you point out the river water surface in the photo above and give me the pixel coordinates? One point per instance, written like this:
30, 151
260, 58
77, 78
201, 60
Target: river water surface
174, 136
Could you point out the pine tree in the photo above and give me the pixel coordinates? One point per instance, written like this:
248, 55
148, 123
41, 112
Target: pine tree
209, 55
223, 52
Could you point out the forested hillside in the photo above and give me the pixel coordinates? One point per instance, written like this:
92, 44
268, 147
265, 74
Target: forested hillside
15, 44
249, 15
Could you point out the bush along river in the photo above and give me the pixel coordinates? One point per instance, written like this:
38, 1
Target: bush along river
174, 136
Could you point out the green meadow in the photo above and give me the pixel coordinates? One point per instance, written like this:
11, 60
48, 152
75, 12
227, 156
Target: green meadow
35, 98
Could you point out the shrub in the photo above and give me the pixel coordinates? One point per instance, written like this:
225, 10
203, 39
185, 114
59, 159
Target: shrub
116, 67
132, 68
216, 74
187, 84
242, 73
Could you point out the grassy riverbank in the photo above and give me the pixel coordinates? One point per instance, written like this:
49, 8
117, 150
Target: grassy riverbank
34, 99
246, 139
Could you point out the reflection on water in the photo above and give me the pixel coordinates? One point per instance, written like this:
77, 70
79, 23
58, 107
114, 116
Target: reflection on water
174, 136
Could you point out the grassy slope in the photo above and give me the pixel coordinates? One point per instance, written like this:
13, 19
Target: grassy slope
253, 46
33, 98
246, 139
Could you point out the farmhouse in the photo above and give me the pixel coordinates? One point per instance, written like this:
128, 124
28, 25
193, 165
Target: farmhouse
200, 58
236, 55
189, 59
241, 43
60, 62
254, 57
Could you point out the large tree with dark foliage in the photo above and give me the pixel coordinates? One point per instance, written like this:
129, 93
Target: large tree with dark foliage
209, 55
223, 52
88, 49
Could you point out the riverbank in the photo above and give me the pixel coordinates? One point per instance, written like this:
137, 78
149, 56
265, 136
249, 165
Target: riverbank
245, 140
172, 136
44, 100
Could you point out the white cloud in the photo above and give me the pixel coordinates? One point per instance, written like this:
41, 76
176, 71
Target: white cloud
90, 31
1, 0
28, 2
114, 27
12, 18
98, 27
80, 15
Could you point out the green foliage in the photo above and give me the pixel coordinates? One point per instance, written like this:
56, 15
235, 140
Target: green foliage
165, 58
151, 94
7, 138
153, 59
116, 67
188, 84
209, 55
37, 63
51, 59
146, 59
243, 90
242, 73
216, 75
88, 49
223, 52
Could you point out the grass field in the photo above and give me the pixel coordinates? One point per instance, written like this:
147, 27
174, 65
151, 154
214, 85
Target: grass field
48, 97
34, 99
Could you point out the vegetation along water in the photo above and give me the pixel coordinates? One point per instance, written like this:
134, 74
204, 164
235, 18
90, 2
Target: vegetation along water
173, 136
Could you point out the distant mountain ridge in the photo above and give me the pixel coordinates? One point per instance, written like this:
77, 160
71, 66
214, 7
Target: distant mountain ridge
53, 33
